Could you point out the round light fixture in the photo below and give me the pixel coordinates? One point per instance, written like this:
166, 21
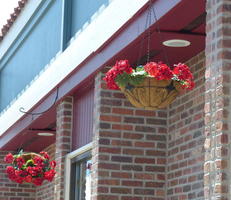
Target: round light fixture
45, 134
176, 43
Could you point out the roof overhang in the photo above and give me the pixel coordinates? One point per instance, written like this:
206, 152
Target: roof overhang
120, 45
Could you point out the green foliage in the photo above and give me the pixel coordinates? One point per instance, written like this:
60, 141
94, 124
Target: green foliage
29, 163
135, 78
123, 79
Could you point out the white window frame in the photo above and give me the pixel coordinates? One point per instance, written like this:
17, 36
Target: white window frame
67, 175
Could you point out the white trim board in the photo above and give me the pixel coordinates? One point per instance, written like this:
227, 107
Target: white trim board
96, 34
67, 175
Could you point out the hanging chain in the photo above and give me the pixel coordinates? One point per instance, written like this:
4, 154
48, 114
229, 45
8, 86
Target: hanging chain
144, 35
160, 36
148, 23
149, 30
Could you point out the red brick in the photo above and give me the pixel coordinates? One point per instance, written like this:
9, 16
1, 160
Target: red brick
132, 183
121, 175
121, 190
110, 118
122, 111
108, 182
145, 160
145, 144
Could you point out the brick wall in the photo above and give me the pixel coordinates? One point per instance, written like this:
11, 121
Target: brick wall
10, 190
217, 100
129, 148
46, 190
186, 139
63, 143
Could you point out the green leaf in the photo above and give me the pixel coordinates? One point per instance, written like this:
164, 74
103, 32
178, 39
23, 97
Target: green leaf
122, 79
29, 163
136, 79
139, 68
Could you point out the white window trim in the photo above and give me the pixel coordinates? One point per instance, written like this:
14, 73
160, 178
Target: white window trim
67, 175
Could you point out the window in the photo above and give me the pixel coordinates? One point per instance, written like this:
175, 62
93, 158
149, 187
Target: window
78, 174
81, 177
77, 13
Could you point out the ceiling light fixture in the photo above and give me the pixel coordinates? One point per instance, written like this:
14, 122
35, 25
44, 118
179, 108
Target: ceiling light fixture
176, 43
45, 134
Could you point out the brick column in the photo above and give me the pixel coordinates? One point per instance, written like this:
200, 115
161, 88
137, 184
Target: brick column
217, 100
63, 142
129, 148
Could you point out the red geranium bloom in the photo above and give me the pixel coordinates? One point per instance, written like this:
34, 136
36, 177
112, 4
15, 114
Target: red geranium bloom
34, 171
123, 66
21, 173
53, 164
110, 79
158, 70
10, 170
38, 181
119, 68
20, 162
182, 71
9, 158
28, 179
19, 179
189, 85
45, 155
49, 175
38, 161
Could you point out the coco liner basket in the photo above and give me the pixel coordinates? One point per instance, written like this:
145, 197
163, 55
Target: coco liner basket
152, 86
152, 94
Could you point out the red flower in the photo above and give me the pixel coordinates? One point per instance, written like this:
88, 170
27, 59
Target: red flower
28, 179
45, 155
38, 161
19, 172
123, 66
182, 71
37, 181
158, 70
110, 79
53, 164
20, 162
34, 171
9, 158
10, 170
119, 68
49, 175
19, 179
188, 84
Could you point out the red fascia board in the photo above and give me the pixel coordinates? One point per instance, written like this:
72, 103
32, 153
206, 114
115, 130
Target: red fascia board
90, 66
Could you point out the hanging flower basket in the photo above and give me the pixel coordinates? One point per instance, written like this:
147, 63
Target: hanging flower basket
152, 86
30, 167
